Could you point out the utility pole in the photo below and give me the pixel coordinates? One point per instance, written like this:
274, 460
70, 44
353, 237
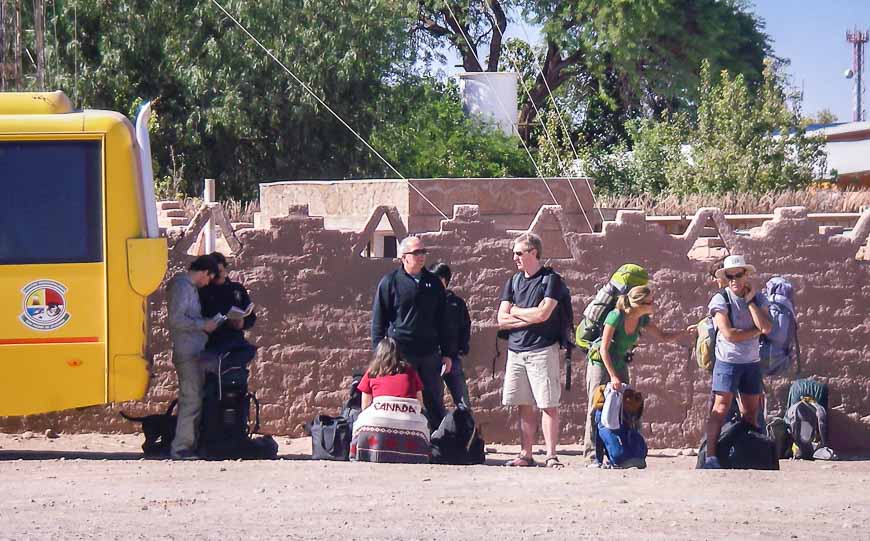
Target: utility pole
857, 38
39, 26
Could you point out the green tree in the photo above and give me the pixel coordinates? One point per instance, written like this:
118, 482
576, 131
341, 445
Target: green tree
226, 109
825, 116
745, 139
430, 136
624, 58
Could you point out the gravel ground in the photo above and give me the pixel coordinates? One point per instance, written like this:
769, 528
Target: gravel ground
97, 486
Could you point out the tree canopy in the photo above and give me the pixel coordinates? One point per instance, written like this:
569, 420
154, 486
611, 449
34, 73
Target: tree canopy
627, 73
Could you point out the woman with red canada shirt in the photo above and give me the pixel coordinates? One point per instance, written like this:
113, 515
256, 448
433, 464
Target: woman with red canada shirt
391, 426
390, 375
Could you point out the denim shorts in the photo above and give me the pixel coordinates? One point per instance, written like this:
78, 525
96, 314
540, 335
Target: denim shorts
737, 378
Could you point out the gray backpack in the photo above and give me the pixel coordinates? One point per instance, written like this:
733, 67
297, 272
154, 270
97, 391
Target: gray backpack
808, 423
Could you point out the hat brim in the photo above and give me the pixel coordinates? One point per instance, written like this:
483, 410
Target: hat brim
750, 269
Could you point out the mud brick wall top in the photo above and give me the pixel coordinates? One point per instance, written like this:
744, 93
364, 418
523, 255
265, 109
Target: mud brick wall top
313, 292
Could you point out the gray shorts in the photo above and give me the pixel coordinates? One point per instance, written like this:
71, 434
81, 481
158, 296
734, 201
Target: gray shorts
532, 378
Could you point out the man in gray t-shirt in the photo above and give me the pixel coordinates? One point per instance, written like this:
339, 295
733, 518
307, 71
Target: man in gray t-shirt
741, 316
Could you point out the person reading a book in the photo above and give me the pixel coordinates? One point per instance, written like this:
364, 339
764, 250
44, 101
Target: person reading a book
227, 301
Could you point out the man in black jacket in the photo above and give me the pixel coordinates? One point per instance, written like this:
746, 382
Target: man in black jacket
228, 340
409, 306
460, 328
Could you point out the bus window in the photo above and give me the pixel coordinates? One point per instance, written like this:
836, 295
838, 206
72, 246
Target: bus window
51, 211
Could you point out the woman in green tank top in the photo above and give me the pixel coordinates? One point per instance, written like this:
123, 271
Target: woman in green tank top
622, 329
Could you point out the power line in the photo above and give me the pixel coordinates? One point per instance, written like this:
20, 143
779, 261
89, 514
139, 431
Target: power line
562, 122
327, 107
501, 104
550, 139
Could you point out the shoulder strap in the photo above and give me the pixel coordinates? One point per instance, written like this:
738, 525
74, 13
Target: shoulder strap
515, 282
725, 296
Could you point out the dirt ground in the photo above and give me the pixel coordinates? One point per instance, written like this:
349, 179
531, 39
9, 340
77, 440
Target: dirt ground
95, 486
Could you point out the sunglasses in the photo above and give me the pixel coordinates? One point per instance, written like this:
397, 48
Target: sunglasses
737, 276
420, 251
520, 253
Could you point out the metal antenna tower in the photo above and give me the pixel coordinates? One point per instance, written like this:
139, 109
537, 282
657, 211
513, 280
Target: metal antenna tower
857, 38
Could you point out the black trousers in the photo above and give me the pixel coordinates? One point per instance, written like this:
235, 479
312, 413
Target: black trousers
429, 368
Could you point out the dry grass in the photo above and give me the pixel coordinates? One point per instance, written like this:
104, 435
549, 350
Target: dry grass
237, 211
815, 201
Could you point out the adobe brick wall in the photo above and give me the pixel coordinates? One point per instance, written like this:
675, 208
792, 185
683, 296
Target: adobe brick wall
314, 296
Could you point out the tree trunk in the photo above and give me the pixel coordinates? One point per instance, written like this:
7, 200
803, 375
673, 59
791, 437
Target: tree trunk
2, 45
499, 23
17, 57
556, 72
39, 27
461, 40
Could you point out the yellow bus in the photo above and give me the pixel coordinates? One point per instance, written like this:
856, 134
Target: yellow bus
79, 254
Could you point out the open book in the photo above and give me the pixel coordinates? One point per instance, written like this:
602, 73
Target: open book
240, 313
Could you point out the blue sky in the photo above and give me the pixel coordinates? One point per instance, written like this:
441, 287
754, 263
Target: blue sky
811, 33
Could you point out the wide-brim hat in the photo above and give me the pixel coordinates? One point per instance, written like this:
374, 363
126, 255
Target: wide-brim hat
734, 262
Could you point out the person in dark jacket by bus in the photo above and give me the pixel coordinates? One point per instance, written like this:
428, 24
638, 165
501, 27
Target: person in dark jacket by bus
409, 306
228, 341
460, 328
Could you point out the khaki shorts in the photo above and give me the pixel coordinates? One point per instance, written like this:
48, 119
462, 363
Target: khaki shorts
532, 378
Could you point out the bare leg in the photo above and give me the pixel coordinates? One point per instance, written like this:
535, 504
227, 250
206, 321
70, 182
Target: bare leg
749, 411
528, 429
721, 405
550, 426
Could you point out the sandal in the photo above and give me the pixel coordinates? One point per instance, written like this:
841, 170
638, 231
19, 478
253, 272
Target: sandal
522, 462
553, 462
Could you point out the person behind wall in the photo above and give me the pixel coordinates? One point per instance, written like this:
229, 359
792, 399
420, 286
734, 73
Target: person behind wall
528, 313
608, 359
228, 340
389, 375
189, 330
409, 306
738, 363
460, 328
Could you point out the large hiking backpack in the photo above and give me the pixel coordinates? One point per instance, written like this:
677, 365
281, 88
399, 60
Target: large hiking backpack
741, 447
705, 343
592, 325
225, 431
808, 421
458, 440
780, 347
565, 313
816, 390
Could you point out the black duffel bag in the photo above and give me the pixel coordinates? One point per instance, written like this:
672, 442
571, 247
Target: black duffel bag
742, 447
330, 438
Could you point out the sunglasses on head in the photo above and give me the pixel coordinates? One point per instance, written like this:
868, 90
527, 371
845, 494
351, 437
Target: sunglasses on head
737, 276
419, 251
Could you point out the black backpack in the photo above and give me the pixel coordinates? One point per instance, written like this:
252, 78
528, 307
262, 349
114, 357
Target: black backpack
742, 447
458, 440
225, 431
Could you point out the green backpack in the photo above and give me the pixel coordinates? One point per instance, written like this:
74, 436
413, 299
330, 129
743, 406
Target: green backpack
625, 278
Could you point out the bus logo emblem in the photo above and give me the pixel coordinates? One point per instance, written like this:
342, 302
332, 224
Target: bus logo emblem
44, 305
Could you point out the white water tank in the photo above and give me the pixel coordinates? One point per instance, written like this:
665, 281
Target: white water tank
491, 96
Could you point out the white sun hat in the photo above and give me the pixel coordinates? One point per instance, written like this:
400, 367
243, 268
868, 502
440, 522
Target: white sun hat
734, 262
